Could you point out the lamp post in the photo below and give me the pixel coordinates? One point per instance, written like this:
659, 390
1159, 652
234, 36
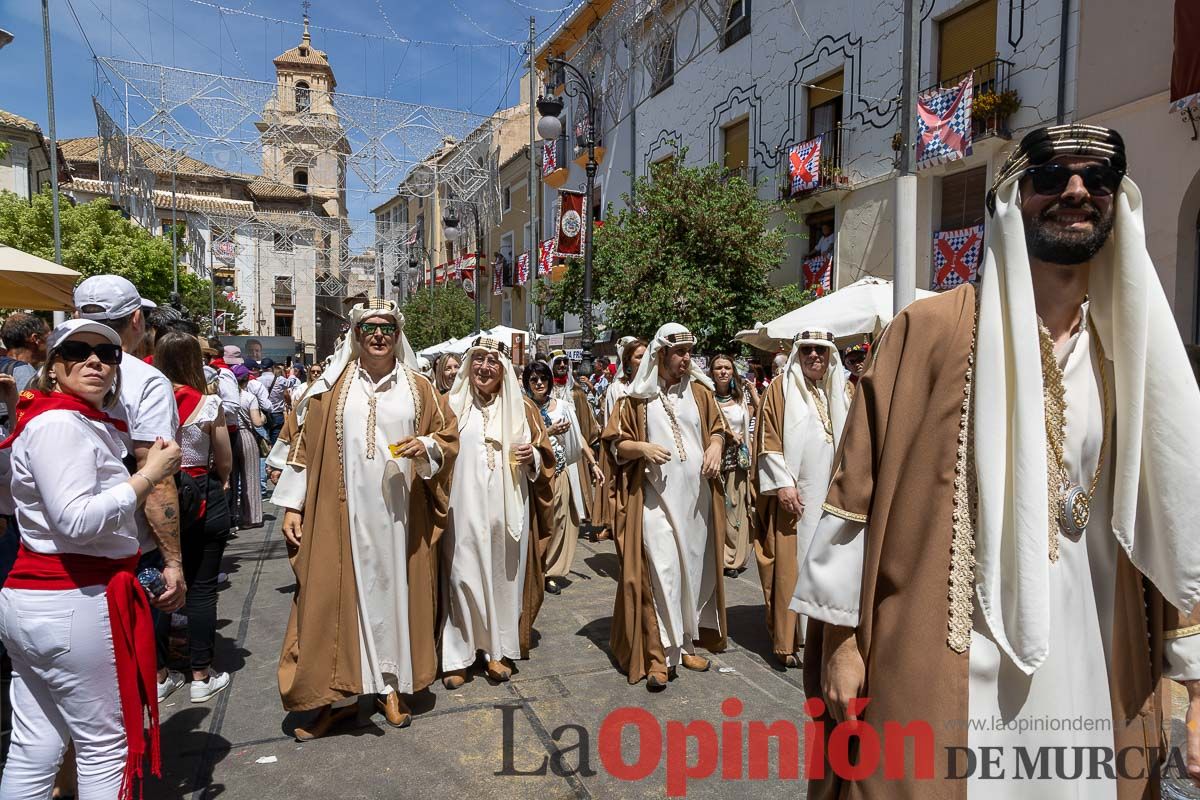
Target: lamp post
550, 128
453, 230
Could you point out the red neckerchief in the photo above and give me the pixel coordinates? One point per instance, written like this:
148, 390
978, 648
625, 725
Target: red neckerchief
33, 403
218, 363
187, 399
560, 381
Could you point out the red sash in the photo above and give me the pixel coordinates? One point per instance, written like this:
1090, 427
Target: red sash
186, 398
33, 403
132, 637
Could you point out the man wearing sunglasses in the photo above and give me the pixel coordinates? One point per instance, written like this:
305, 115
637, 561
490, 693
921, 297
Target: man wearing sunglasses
146, 403
1017, 542
368, 450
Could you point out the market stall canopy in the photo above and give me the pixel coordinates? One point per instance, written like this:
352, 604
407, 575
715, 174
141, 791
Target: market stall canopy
863, 308
27, 281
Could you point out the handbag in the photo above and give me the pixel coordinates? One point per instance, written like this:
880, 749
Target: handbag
735, 456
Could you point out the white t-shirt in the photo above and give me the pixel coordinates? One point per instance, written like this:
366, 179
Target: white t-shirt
147, 405
260, 394
228, 391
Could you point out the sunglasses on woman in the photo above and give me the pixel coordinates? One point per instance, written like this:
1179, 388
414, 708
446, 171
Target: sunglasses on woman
1100, 180
76, 352
371, 328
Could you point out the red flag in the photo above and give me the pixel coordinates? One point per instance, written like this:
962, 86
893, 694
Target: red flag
570, 224
522, 268
545, 258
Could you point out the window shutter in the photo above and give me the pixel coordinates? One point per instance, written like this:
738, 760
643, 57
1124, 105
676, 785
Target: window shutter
825, 90
737, 145
962, 199
966, 40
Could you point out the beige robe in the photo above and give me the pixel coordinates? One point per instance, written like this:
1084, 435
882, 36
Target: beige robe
884, 461
636, 640
320, 662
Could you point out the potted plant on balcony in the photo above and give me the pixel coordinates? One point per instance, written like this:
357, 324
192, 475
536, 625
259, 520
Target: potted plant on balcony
994, 108
831, 173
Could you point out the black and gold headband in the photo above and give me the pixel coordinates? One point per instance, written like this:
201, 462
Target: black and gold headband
680, 338
488, 343
1045, 144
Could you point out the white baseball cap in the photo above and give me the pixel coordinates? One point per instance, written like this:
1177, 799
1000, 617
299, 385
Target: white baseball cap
73, 326
106, 297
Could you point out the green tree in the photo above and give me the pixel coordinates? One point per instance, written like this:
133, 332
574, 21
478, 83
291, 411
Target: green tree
434, 314
693, 246
97, 240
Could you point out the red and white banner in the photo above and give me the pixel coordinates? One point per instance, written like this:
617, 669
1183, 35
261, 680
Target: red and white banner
944, 123
956, 257
545, 258
549, 157
467, 276
569, 233
522, 269
498, 278
818, 273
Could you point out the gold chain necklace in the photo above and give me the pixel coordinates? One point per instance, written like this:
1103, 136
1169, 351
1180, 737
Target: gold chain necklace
1072, 506
822, 410
674, 425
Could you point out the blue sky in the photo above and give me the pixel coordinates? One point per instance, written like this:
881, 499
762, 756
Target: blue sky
192, 34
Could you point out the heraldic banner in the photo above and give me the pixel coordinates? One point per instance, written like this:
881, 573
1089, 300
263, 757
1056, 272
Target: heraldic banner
956, 257
549, 157
817, 272
545, 258
522, 269
570, 224
804, 166
944, 124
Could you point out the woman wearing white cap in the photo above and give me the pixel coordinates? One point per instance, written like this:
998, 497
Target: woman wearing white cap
500, 513
72, 615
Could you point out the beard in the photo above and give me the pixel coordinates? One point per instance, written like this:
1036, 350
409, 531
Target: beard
1047, 242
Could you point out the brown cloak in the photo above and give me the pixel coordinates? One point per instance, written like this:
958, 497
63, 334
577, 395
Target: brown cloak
896, 473
320, 661
635, 639
775, 536
589, 434
541, 527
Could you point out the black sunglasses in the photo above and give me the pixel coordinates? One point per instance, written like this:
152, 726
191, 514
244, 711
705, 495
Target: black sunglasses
76, 351
386, 328
1100, 180
809, 349
537, 379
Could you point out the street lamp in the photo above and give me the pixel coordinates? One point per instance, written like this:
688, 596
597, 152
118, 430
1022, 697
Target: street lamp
550, 128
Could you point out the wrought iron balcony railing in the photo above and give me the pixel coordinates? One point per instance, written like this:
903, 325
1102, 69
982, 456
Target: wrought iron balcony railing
993, 99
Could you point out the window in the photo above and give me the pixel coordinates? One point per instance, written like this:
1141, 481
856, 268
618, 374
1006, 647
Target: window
825, 105
283, 323
506, 252
664, 64
283, 291
303, 98
283, 243
506, 199
966, 40
737, 22
820, 226
300, 179
962, 199
506, 311
526, 238
736, 144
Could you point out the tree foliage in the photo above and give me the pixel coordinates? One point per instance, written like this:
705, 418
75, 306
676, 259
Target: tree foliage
693, 246
435, 314
97, 240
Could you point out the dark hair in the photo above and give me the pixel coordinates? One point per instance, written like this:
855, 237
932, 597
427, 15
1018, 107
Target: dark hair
20, 327
536, 368
177, 355
215, 344
735, 383
627, 359
121, 324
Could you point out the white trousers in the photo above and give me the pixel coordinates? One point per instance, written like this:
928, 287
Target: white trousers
64, 687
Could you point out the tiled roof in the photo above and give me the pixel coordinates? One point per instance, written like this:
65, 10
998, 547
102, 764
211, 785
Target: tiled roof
265, 189
303, 56
156, 157
10, 120
162, 199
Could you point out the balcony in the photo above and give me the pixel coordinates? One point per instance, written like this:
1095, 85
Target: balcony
747, 172
993, 100
806, 173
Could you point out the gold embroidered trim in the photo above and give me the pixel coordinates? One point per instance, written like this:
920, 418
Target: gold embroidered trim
962, 540
1179, 633
339, 412
491, 453
850, 516
416, 396
818, 396
674, 426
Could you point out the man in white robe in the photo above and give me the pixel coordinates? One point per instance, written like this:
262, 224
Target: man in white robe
375, 403
668, 434
1070, 550
799, 427
492, 581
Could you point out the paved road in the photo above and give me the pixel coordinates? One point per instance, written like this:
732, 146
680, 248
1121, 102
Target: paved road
240, 745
